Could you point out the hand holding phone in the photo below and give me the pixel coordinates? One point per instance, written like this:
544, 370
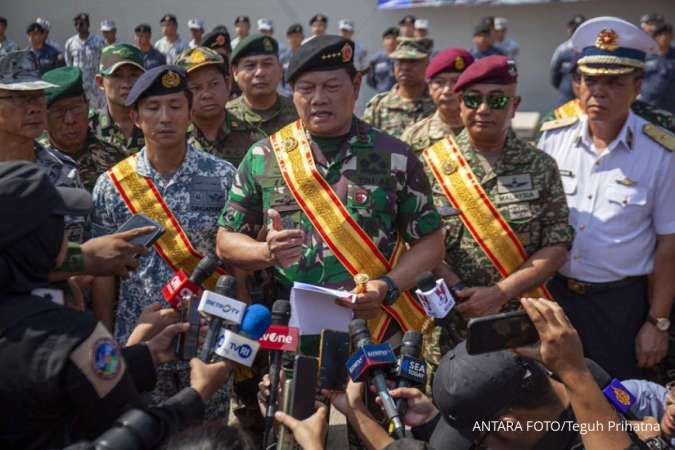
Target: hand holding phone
139, 221
500, 332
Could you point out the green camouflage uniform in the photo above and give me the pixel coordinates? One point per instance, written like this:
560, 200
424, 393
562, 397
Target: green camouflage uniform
525, 186
93, 160
391, 114
233, 139
425, 133
261, 124
103, 126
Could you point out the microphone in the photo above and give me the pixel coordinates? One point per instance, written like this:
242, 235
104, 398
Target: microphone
222, 307
180, 285
436, 298
187, 344
365, 362
277, 339
410, 370
242, 348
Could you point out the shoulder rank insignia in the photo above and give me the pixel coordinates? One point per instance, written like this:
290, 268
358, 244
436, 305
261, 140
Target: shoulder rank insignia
660, 135
560, 123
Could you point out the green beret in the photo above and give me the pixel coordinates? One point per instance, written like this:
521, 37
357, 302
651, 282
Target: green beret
68, 81
117, 55
255, 44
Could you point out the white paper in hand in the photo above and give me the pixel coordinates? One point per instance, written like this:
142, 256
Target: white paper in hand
313, 309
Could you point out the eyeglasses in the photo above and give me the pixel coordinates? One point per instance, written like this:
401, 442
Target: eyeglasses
60, 113
474, 101
24, 99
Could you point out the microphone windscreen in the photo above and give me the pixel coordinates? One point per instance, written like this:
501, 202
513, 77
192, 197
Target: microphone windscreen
226, 285
204, 269
281, 312
256, 321
358, 330
425, 281
411, 344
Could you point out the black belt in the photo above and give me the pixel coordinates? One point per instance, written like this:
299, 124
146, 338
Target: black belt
583, 287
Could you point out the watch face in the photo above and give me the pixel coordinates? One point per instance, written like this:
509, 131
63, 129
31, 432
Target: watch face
663, 324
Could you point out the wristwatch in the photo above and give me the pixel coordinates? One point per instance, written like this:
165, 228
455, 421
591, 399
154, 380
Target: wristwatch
393, 292
662, 323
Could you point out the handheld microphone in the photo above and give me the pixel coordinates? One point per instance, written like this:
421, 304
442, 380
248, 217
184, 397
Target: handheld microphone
222, 307
410, 370
188, 343
436, 298
242, 348
367, 359
277, 334
180, 285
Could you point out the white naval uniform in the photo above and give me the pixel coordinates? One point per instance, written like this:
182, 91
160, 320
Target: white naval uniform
619, 200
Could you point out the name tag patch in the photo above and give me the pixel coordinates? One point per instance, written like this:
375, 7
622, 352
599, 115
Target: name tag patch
519, 211
206, 193
515, 197
514, 183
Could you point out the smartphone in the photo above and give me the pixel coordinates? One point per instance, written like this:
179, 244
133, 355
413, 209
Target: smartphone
500, 332
187, 343
285, 439
333, 354
138, 221
305, 369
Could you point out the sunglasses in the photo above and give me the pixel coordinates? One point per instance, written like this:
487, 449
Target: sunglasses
498, 101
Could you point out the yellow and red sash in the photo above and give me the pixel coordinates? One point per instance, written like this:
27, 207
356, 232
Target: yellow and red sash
141, 196
329, 216
569, 109
487, 226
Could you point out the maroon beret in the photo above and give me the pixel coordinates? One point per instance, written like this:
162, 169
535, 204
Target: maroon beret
495, 69
449, 60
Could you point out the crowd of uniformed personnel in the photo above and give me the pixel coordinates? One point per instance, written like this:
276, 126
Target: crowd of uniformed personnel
298, 188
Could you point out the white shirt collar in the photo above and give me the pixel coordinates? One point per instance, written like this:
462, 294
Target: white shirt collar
624, 139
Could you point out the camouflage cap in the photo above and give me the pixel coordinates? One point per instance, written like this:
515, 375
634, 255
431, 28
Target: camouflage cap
194, 58
255, 44
67, 81
115, 56
412, 48
19, 72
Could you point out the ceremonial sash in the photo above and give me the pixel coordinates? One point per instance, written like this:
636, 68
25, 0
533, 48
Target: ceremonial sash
349, 243
141, 196
487, 226
569, 109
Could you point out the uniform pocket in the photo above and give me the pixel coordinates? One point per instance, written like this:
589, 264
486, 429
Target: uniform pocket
281, 200
626, 195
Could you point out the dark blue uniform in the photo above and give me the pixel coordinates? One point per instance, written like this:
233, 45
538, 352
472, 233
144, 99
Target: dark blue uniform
562, 62
48, 58
658, 88
489, 52
381, 73
153, 58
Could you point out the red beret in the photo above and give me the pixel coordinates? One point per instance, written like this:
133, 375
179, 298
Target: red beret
493, 69
449, 60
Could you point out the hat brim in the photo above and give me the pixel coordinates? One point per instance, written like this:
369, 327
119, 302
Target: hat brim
202, 64
74, 202
110, 70
402, 54
446, 436
38, 85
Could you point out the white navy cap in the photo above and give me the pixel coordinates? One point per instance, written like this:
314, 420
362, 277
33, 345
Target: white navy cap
421, 24
611, 46
108, 25
265, 24
500, 23
195, 23
346, 24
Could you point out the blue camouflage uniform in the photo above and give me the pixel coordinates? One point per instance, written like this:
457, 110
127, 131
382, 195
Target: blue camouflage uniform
562, 62
153, 58
195, 194
658, 88
489, 52
381, 73
48, 58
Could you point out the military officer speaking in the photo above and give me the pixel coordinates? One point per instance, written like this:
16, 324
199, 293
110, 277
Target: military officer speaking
408, 101
618, 172
214, 130
442, 74
336, 197
257, 71
501, 201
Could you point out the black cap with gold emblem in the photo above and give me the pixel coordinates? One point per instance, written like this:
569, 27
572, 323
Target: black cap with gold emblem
255, 44
325, 52
161, 80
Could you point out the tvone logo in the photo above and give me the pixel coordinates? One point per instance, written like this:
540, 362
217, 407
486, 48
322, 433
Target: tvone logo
276, 338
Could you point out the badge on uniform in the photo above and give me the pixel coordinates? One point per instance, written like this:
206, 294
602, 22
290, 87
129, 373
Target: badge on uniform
619, 396
449, 167
290, 144
170, 80
627, 182
105, 358
514, 183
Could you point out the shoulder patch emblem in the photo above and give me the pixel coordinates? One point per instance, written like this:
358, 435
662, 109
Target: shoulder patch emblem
660, 135
99, 359
560, 123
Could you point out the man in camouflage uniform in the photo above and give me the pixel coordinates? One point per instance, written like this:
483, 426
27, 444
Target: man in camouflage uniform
442, 74
377, 178
121, 65
67, 127
192, 184
409, 100
257, 71
213, 128
520, 181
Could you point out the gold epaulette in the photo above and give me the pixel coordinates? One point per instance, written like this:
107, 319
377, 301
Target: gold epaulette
660, 135
560, 123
